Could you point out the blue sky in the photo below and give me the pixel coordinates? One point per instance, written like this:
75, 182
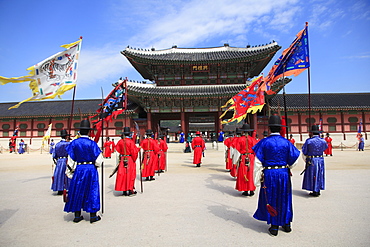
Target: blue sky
339, 37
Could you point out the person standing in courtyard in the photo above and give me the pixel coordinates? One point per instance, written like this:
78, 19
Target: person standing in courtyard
83, 191
126, 173
291, 139
234, 153
361, 143
108, 147
150, 160
228, 160
60, 157
329, 150
21, 147
162, 154
51, 146
244, 179
314, 172
274, 157
198, 145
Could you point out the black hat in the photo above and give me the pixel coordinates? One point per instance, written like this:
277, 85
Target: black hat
148, 132
238, 131
85, 125
265, 133
315, 129
275, 120
64, 133
327, 134
126, 131
246, 127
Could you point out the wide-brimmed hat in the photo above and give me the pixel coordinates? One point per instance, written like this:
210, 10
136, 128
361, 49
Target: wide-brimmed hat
275, 120
246, 127
85, 125
238, 131
148, 132
265, 133
327, 134
126, 131
315, 129
64, 133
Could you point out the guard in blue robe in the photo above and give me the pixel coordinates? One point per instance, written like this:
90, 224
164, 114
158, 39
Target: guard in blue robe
182, 137
84, 187
21, 147
314, 173
60, 156
52, 146
221, 136
275, 155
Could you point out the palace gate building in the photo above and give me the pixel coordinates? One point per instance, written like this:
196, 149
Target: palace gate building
191, 85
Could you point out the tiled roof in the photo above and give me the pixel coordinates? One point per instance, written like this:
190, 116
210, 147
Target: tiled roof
53, 108
229, 90
203, 54
136, 89
323, 101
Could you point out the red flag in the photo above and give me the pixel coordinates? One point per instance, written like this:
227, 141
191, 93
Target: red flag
249, 100
113, 105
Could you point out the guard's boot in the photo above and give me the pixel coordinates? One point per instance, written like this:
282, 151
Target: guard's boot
94, 217
78, 217
274, 230
286, 228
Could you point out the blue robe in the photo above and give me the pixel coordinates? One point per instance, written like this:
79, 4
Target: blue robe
60, 180
314, 176
51, 150
361, 144
182, 137
221, 136
276, 189
84, 188
21, 148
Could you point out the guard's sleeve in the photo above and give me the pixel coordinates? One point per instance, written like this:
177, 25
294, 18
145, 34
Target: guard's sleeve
99, 160
296, 161
257, 173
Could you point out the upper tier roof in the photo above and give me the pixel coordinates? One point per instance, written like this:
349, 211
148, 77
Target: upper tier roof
213, 54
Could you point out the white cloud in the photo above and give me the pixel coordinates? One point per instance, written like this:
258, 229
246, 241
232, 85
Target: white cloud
101, 64
160, 24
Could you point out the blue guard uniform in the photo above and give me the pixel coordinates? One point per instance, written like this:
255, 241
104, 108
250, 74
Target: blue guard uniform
60, 179
275, 153
314, 176
84, 188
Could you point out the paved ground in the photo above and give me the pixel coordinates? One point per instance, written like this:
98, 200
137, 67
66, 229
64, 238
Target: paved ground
186, 206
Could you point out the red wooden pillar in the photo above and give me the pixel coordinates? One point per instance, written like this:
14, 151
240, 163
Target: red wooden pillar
364, 124
342, 123
149, 120
183, 123
32, 123
300, 125
254, 122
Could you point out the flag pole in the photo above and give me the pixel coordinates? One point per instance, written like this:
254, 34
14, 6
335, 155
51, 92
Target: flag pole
72, 109
102, 148
309, 85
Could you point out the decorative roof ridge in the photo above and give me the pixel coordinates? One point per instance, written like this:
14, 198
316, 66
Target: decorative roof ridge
175, 49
